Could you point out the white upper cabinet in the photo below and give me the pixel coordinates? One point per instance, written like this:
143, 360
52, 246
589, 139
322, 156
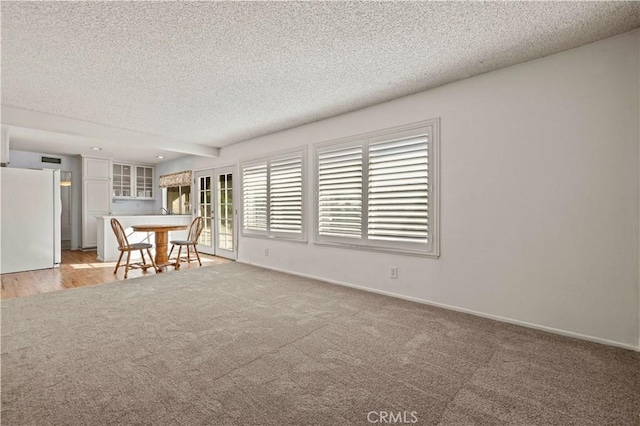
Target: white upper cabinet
133, 181
122, 180
96, 168
144, 182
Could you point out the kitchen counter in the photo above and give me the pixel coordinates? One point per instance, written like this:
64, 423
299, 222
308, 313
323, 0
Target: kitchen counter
108, 245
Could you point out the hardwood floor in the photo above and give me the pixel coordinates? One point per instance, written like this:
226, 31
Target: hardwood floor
80, 269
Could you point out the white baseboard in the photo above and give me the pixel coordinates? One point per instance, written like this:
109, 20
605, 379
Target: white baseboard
463, 310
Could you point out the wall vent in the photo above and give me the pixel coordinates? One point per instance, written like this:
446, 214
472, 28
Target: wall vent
51, 160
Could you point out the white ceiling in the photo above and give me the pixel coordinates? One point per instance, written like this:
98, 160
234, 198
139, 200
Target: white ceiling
180, 77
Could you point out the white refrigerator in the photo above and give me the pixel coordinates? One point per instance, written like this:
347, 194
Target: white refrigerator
30, 210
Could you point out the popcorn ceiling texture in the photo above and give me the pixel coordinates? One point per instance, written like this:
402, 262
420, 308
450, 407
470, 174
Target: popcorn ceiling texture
216, 73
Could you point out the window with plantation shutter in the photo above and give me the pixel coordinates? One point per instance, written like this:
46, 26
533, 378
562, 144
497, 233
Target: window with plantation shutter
399, 190
340, 192
273, 196
379, 191
286, 195
254, 197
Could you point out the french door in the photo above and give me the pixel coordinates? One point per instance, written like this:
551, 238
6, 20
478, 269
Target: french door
215, 197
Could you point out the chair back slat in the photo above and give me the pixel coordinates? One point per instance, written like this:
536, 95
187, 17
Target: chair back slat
120, 235
195, 229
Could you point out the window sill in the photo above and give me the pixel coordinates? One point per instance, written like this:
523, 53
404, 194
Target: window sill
274, 237
402, 252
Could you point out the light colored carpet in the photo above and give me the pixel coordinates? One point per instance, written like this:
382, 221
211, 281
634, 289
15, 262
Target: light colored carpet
236, 344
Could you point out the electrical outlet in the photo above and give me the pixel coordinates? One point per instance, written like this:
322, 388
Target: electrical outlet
266, 252
393, 272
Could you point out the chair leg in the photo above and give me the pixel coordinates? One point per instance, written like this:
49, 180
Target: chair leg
188, 255
118, 264
126, 268
153, 262
177, 265
197, 254
171, 251
144, 261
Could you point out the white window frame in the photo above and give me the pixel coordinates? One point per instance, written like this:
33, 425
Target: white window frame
165, 199
269, 233
432, 248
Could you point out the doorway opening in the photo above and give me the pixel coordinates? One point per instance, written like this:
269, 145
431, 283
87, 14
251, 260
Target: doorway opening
215, 203
65, 217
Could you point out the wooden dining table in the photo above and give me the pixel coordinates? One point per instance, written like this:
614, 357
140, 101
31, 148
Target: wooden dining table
162, 238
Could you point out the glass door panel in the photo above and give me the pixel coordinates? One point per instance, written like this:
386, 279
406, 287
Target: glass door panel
215, 203
225, 223
203, 181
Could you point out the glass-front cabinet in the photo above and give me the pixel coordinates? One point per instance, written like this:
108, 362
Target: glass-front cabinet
144, 182
122, 174
132, 181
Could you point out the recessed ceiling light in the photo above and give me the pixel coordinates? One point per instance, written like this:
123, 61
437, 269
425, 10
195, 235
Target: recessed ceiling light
96, 148
160, 156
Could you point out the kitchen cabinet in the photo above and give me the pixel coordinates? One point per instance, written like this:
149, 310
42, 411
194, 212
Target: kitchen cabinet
96, 168
96, 197
104, 180
133, 181
144, 182
122, 180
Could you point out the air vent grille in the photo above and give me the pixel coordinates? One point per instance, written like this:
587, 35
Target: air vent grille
51, 160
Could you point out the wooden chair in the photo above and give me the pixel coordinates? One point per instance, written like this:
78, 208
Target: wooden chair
192, 240
123, 245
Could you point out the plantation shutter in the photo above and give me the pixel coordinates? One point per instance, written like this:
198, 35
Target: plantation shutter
286, 195
254, 197
398, 195
340, 186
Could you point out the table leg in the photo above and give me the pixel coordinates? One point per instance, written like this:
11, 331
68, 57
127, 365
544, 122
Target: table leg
161, 248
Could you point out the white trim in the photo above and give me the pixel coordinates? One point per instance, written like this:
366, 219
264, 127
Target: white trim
200, 169
276, 238
552, 330
378, 249
435, 181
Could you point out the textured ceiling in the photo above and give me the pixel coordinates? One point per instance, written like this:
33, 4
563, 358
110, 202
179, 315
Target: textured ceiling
215, 73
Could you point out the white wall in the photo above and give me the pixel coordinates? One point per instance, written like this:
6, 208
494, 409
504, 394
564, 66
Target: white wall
539, 195
177, 165
134, 206
32, 160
